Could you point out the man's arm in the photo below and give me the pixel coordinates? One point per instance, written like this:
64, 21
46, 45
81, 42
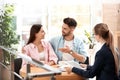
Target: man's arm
77, 56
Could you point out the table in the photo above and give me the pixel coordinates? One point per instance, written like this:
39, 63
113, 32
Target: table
63, 76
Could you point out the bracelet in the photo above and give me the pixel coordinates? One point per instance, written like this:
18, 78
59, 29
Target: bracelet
71, 52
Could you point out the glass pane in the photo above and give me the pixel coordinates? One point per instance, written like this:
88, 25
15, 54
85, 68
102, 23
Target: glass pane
80, 12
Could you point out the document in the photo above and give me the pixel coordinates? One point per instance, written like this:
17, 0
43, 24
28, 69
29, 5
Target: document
63, 64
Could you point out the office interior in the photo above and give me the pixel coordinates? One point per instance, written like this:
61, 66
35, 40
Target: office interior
50, 14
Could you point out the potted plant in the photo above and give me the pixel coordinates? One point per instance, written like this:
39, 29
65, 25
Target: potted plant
8, 36
90, 39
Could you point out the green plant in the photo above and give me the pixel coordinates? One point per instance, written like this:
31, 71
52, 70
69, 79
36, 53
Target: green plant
8, 36
90, 40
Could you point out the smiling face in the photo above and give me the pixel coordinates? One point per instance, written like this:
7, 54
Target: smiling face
66, 30
40, 34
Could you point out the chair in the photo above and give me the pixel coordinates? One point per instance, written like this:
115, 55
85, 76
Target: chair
17, 67
117, 50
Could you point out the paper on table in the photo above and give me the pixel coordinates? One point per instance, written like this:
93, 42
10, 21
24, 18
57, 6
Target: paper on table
63, 64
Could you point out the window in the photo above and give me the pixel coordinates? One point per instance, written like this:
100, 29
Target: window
51, 15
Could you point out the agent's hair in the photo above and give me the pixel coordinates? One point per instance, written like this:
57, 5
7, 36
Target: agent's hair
102, 30
70, 22
34, 29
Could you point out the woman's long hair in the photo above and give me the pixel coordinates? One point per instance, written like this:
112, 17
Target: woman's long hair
34, 29
103, 30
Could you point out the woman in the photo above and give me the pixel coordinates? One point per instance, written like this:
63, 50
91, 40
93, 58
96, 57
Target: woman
105, 66
39, 49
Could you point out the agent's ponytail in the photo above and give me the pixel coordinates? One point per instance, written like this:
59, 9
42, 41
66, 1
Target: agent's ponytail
110, 42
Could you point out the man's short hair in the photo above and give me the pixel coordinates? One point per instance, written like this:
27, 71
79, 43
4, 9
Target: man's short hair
70, 22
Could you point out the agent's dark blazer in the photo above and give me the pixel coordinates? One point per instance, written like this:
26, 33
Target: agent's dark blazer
103, 67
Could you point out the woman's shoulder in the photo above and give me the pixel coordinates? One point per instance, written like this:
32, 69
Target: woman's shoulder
45, 42
105, 50
30, 45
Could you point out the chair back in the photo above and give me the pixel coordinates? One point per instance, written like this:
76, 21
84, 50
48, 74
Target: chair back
17, 67
118, 52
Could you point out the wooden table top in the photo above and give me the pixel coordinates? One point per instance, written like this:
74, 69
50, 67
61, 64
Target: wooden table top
63, 76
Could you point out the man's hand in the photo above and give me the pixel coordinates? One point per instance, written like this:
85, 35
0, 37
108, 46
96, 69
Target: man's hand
65, 49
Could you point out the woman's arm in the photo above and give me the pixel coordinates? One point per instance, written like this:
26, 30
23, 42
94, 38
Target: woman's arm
52, 56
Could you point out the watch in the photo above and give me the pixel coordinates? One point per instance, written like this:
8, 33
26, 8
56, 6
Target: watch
71, 52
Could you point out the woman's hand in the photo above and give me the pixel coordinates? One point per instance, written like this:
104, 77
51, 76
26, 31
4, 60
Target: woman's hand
83, 66
23, 51
68, 69
51, 63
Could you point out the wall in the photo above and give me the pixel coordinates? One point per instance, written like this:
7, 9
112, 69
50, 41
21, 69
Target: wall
111, 16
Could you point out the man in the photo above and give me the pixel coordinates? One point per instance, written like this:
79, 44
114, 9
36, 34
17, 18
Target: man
68, 39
